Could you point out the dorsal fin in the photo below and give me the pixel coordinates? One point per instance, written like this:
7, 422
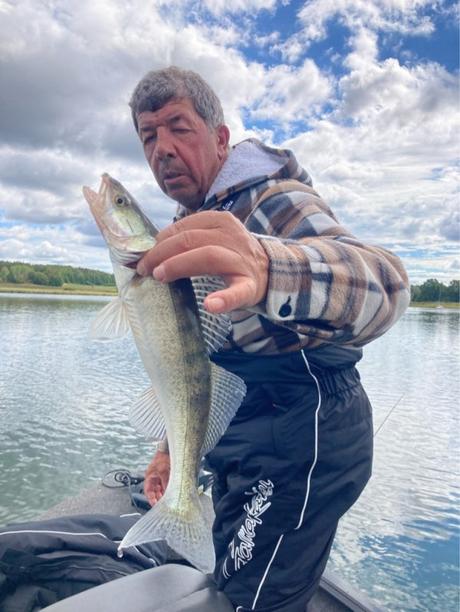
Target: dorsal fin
215, 327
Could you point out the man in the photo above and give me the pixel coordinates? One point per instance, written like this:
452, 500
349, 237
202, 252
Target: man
304, 295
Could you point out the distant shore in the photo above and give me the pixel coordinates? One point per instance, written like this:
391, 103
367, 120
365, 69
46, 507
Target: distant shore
66, 289
72, 289
452, 305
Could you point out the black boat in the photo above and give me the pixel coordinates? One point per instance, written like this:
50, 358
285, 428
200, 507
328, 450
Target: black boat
174, 587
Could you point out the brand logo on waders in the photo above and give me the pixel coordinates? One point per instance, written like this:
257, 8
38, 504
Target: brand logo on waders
242, 544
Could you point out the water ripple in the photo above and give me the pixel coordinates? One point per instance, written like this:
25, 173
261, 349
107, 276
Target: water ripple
64, 402
400, 542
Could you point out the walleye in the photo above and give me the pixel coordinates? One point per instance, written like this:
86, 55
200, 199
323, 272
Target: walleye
191, 401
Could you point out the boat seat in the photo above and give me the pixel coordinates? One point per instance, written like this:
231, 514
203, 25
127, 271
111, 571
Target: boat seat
168, 588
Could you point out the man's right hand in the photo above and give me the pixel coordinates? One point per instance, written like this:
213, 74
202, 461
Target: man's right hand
157, 477
211, 243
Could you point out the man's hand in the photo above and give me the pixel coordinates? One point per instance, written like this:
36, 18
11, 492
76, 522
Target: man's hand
157, 477
211, 243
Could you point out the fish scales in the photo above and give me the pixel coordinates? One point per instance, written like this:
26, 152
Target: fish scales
174, 354
191, 400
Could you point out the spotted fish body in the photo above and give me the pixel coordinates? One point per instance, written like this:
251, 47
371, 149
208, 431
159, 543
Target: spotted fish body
191, 400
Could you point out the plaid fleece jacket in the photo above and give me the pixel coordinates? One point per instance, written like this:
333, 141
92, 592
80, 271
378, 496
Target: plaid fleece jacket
325, 286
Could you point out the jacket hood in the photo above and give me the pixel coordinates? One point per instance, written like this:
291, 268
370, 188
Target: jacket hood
249, 163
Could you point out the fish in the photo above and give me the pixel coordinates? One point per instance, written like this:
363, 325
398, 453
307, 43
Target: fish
191, 400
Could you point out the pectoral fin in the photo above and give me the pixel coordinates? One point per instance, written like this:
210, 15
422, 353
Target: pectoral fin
146, 416
111, 322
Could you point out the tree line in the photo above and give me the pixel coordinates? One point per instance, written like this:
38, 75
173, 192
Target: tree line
51, 275
433, 290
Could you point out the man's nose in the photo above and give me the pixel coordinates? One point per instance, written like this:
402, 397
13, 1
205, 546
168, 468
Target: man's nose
164, 146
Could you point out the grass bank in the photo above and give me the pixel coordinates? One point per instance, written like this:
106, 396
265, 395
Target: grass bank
435, 304
65, 289
71, 288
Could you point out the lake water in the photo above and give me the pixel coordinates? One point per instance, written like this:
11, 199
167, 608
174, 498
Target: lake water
64, 401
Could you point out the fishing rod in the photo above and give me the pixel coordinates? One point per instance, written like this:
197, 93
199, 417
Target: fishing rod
388, 415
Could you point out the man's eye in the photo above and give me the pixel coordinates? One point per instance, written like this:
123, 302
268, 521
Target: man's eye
149, 139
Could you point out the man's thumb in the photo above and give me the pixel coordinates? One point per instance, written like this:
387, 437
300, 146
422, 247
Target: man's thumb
238, 295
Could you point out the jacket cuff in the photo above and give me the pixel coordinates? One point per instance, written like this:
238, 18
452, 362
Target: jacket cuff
288, 277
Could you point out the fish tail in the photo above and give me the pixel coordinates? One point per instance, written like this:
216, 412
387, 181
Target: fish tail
190, 538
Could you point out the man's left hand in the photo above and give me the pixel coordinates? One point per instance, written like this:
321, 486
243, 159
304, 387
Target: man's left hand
211, 243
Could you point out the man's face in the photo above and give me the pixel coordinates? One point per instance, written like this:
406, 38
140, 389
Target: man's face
184, 154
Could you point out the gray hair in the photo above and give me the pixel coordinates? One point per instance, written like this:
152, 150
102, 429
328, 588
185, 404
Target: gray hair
160, 86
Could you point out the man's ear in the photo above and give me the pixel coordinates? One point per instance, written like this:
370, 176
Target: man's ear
223, 138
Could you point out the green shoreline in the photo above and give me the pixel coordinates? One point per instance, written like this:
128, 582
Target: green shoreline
71, 289
451, 305
66, 289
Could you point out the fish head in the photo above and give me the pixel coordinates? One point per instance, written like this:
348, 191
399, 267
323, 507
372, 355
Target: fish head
126, 229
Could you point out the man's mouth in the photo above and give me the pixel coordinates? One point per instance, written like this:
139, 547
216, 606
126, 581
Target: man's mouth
171, 178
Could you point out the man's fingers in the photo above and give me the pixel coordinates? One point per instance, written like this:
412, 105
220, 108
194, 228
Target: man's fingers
195, 231
212, 260
211, 243
153, 488
210, 219
208, 260
239, 294
183, 242
158, 491
151, 481
156, 477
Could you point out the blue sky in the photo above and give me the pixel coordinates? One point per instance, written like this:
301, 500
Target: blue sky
365, 92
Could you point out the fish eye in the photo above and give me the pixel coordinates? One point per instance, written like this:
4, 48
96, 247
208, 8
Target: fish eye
121, 200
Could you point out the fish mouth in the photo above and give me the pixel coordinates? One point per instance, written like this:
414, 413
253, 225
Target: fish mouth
96, 200
104, 185
127, 233
99, 208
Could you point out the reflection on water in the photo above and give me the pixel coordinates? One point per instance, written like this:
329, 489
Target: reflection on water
401, 540
64, 401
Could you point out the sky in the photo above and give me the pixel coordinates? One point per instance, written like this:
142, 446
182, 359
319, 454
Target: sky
365, 92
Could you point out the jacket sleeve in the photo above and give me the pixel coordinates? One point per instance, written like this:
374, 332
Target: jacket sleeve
323, 282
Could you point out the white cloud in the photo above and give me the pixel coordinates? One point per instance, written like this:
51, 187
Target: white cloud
391, 173
381, 143
365, 50
218, 7
40, 169
395, 94
405, 17
79, 63
47, 245
267, 40
449, 226
292, 94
